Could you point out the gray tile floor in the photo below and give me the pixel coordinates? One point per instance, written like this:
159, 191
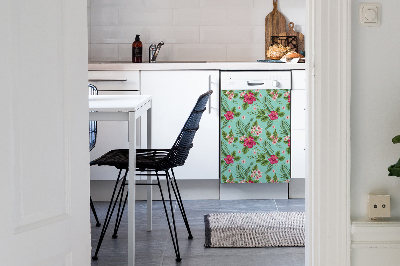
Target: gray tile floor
155, 248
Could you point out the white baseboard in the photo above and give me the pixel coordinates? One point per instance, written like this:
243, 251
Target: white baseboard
101, 190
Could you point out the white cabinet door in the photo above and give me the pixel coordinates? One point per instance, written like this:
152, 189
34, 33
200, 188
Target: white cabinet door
174, 96
44, 174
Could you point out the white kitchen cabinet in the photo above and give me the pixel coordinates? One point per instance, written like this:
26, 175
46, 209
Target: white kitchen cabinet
174, 96
112, 134
298, 121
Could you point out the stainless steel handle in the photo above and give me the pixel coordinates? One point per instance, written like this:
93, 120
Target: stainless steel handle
100, 80
209, 99
254, 83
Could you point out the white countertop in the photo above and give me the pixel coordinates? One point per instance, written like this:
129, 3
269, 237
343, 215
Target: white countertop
196, 66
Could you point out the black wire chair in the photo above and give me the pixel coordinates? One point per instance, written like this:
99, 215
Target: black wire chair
92, 143
149, 161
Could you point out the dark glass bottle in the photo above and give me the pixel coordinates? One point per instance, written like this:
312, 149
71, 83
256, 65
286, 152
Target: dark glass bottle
137, 50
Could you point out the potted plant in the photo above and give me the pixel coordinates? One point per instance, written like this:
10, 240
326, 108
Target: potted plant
394, 170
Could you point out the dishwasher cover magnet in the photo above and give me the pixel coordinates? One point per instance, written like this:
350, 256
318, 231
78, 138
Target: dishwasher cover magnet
255, 136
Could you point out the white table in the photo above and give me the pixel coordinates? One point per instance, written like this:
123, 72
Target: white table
127, 108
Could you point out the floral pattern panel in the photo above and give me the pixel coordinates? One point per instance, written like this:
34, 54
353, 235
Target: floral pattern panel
255, 136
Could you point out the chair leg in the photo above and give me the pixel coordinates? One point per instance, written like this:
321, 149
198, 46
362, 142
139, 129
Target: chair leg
174, 239
94, 213
180, 203
120, 211
109, 212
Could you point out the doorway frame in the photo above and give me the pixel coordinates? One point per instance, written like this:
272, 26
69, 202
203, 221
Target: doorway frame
328, 223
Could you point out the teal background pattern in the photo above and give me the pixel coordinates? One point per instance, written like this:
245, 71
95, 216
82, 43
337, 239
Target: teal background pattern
255, 136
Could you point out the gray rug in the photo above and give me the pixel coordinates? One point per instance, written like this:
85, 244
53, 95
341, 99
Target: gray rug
271, 229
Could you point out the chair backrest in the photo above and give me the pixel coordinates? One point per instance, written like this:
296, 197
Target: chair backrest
92, 124
180, 150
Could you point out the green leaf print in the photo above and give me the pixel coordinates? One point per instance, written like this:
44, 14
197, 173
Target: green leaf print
288, 106
223, 178
288, 150
245, 150
245, 106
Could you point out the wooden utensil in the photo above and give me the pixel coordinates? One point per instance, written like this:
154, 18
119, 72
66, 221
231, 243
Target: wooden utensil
275, 23
299, 36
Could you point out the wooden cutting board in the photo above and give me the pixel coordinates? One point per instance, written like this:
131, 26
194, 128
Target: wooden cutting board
299, 36
275, 23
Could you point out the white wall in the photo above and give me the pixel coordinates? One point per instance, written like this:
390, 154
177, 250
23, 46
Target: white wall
375, 108
193, 30
375, 120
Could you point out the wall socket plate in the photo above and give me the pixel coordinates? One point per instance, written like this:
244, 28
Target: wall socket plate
378, 206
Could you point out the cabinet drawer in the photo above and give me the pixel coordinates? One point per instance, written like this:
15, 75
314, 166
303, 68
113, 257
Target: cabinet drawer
298, 79
115, 80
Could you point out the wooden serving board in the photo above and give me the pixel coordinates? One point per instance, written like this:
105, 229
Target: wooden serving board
299, 36
275, 23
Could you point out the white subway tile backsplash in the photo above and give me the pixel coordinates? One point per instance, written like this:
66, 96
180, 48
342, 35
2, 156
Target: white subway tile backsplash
214, 3
172, 3
226, 3
199, 16
246, 17
125, 52
246, 53
224, 34
119, 3
115, 34
173, 34
192, 30
145, 17
104, 52
199, 52
105, 16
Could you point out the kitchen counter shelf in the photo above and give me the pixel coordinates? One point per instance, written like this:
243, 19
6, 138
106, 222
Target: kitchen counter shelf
195, 66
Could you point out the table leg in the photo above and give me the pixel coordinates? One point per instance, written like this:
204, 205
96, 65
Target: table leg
149, 178
132, 190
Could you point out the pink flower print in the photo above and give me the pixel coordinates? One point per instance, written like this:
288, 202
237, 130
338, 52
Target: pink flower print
283, 151
242, 93
260, 95
255, 108
287, 161
249, 142
239, 107
242, 138
229, 115
250, 181
283, 107
229, 126
249, 98
273, 115
229, 159
239, 151
229, 170
260, 139
273, 159
257, 90
288, 143
244, 117
273, 171
287, 117
255, 152
227, 92
273, 126
288, 98
243, 161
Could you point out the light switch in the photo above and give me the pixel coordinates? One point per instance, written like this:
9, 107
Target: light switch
369, 14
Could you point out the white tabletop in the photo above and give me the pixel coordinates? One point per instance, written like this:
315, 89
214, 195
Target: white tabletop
115, 103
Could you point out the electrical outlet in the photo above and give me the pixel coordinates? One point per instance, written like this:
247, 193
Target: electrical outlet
378, 206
